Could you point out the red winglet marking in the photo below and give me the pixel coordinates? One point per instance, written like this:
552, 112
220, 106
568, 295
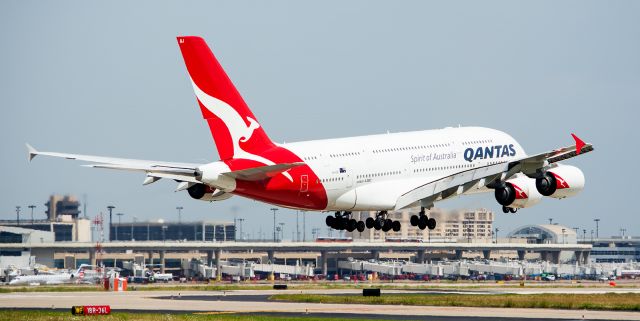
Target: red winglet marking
579, 143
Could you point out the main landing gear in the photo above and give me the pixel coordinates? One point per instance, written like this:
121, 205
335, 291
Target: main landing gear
422, 221
343, 221
382, 222
509, 209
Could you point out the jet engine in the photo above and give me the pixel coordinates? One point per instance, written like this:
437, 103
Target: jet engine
518, 192
561, 181
207, 193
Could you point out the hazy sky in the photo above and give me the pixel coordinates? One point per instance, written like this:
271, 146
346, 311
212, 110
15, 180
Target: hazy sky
107, 78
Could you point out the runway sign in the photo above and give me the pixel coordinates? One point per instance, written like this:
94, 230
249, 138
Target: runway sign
90, 310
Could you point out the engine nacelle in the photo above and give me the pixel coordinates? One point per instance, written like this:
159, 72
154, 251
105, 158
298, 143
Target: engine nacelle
561, 181
518, 192
207, 193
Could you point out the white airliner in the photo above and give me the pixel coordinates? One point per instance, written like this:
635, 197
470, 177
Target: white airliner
372, 173
45, 278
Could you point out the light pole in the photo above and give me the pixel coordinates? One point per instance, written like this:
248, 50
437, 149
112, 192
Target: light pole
297, 226
110, 208
497, 230
179, 208
584, 234
240, 220
18, 215
597, 220
304, 226
563, 230
274, 209
550, 221
32, 207
281, 231
119, 222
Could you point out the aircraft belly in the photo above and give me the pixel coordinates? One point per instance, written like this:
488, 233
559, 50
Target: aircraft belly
341, 200
375, 197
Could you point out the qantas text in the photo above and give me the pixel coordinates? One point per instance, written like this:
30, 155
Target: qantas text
487, 152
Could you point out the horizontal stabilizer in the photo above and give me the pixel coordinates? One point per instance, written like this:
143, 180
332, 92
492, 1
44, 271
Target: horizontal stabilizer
262, 172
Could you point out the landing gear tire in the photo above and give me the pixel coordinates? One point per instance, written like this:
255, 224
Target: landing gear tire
387, 225
422, 223
339, 224
330, 220
351, 225
415, 220
505, 209
369, 222
431, 223
377, 225
344, 223
360, 226
396, 226
513, 210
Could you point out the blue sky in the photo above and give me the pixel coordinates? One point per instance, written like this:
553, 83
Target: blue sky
108, 79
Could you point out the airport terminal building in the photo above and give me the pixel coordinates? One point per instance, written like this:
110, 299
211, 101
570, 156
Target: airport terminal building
205, 231
615, 249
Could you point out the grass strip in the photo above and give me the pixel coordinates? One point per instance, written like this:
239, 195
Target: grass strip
39, 315
604, 301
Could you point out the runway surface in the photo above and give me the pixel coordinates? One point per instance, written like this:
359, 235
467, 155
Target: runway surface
256, 302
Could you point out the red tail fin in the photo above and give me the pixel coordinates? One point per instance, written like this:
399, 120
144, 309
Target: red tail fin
234, 128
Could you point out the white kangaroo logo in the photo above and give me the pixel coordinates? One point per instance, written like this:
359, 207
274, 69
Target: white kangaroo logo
238, 129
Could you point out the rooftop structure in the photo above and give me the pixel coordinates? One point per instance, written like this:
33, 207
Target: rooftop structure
60, 206
545, 234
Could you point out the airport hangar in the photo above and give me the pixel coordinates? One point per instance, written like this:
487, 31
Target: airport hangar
45, 251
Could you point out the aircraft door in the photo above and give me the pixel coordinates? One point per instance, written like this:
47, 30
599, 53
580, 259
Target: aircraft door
349, 180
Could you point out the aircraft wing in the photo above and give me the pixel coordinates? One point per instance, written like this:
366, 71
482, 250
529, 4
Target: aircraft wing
154, 169
486, 176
